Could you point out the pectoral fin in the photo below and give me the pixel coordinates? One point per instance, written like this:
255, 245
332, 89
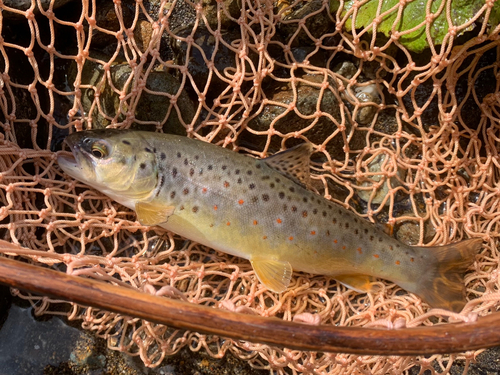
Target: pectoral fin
153, 213
359, 283
274, 274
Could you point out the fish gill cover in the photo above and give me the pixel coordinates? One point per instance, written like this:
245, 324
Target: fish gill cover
401, 138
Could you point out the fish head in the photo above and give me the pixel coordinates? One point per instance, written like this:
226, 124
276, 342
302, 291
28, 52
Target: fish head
119, 163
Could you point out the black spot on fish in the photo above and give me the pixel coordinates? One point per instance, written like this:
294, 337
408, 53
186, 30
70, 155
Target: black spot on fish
251, 186
355, 220
285, 207
154, 150
185, 191
371, 238
172, 195
294, 208
224, 167
397, 245
255, 199
237, 171
340, 212
265, 197
174, 172
186, 162
292, 189
191, 171
162, 182
210, 167
258, 166
265, 178
179, 155
126, 142
142, 166
271, 185
366, 231
163, 156
196, 157
249, 172
147, 149
195, 209
356, 231
304, 199
324, 213
281, 195
315, 211
277, 180
135, 157
239, 180
380, 239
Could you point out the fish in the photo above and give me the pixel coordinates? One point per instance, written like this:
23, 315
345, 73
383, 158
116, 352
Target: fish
262, 210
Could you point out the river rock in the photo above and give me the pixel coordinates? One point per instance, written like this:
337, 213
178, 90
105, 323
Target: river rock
150, 107
307, 99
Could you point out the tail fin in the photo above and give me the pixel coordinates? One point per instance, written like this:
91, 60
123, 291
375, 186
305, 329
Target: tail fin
444, 285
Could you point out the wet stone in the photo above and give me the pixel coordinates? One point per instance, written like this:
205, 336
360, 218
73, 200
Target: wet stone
318, 24
197, 65
376, 166
230, 9
151, 107
25, 5
307, 98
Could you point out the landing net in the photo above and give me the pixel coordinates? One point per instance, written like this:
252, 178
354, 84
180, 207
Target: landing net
402, 137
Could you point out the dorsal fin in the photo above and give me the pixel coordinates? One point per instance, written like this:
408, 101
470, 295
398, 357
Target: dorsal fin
293, 163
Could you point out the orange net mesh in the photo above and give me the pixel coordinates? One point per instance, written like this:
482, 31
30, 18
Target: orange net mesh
401, 138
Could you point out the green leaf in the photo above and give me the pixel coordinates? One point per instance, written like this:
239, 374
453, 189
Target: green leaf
413, 15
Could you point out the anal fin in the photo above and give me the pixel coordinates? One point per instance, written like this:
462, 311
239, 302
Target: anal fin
153, 213
359, 283
274, 274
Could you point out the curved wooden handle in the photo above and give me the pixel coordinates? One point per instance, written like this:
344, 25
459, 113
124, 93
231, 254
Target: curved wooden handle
446, 338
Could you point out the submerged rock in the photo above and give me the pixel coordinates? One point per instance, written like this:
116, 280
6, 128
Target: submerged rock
199, 66
152, 108
308, 95
229, 9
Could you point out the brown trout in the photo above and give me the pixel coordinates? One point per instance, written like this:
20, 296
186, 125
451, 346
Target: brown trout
260, 210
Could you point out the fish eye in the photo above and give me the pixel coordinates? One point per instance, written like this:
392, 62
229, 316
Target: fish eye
100, 150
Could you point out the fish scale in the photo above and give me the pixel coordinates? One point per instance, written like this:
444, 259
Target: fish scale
260, 209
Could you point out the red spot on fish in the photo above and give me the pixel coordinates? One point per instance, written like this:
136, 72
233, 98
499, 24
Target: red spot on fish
290, 238
204, 190
228, 223
412, 260
241, 201
313, 232
335, 241
255, 222
376, 256
226, 184
343, 247
360, 251
215, 207
398, 262
278, 221
265, 237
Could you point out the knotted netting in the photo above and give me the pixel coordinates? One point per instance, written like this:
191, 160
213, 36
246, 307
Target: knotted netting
403, 116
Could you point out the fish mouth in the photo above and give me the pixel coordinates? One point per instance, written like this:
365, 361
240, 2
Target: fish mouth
77, 164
